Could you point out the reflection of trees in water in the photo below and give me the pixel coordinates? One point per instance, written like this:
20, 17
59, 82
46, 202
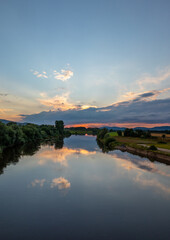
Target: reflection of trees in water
103, 147
59, 144
13, 155
106, 149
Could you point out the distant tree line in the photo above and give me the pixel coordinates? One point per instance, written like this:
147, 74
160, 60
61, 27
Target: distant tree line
82, 130
129, 132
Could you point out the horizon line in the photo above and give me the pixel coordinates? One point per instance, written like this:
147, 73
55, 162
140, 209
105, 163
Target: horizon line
125, 125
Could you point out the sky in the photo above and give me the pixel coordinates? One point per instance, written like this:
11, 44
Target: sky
87, 62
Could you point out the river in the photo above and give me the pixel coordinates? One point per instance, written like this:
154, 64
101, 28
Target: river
78, 192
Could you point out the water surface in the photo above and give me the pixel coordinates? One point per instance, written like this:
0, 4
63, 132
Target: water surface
78, 192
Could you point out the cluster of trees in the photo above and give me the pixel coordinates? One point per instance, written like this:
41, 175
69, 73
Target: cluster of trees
83, 130
12, 134
104, 140
129, 132
102, 133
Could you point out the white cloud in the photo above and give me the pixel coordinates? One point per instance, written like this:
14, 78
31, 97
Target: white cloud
147, 79
35, 73
64, 75
43, 94
39, 75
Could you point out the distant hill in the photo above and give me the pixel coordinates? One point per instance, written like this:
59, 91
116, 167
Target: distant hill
164, 128
159, 129
7, 121
114, 128
4, 121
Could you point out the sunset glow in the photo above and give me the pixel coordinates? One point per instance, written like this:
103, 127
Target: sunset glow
127, 125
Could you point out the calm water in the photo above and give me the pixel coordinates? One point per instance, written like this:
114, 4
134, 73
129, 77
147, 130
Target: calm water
77, 192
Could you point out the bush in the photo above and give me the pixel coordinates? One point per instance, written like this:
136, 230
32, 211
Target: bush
153, 147
162, 142
109, 140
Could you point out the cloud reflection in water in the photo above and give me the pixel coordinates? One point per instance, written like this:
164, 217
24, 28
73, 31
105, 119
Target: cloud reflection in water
61, 155
61, 183
143, 167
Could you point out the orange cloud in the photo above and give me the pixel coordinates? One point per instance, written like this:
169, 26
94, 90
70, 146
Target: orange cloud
60, 155
39, 182
6, 113
61, 102
61, 183
58, 102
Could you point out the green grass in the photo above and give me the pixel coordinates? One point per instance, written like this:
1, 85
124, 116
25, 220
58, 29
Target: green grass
166, 146
131, 141
113, 134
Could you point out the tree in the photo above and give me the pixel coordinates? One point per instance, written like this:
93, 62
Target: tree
129, 132
60, 127
102, 133
119, 132
163, 137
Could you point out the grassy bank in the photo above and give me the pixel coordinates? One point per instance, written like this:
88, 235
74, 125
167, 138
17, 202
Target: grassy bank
151, 146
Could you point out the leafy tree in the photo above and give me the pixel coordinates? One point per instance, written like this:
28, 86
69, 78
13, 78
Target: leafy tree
60, 127
163, 136
119, 132
102, 133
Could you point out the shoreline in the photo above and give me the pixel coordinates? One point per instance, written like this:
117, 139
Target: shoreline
153, 156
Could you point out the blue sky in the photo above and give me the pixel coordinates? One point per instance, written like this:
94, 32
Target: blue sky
71, 55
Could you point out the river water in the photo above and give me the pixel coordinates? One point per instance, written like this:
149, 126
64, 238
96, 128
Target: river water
78, 192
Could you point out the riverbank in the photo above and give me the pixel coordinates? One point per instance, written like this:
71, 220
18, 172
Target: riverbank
144, 147
152, 155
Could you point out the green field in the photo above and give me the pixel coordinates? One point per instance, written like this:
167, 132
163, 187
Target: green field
131, 141
113, 134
